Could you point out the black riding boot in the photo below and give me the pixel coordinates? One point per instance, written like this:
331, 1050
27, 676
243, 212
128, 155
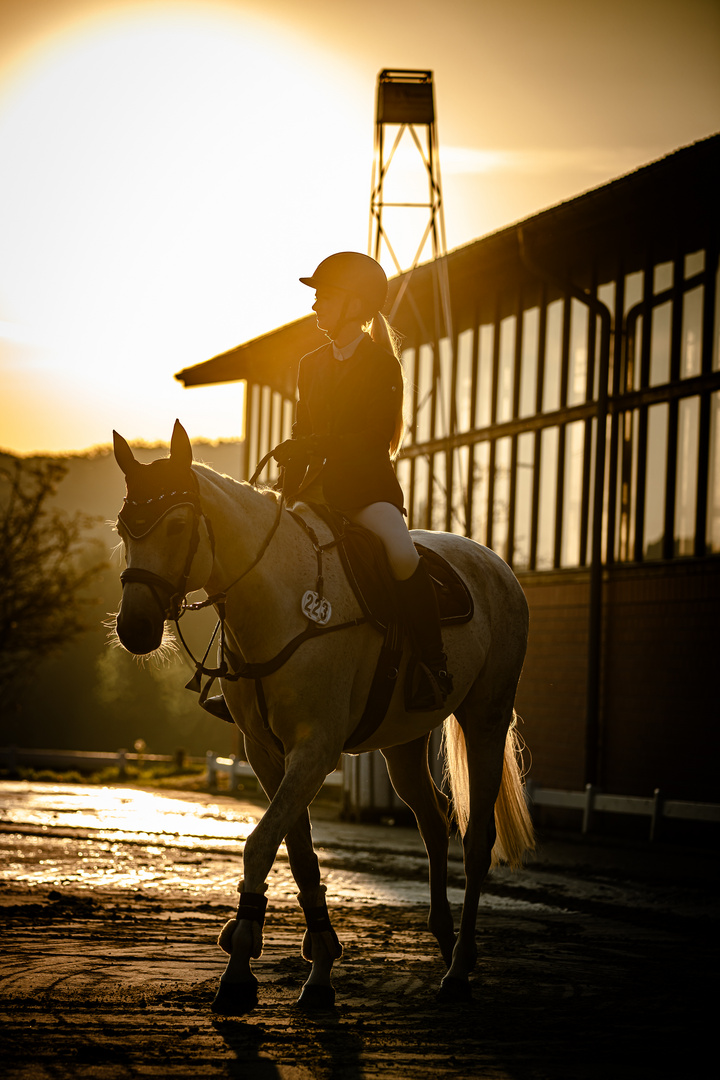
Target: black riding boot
429, 683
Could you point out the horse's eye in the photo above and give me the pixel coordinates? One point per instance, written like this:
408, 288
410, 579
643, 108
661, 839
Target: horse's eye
175, 527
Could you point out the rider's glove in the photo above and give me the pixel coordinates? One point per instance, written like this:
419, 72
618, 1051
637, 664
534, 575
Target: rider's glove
284, 451
301, 449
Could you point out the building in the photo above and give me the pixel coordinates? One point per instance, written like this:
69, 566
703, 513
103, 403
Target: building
573, 425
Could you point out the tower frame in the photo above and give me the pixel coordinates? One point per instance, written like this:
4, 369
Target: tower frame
405, 100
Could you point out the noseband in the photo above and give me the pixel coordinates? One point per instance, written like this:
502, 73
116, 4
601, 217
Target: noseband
171, 605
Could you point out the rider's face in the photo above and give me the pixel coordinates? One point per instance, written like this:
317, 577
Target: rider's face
329, 307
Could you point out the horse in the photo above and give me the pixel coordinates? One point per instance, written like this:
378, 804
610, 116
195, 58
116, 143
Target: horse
185, 528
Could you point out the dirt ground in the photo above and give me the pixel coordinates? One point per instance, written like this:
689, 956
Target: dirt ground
596, 962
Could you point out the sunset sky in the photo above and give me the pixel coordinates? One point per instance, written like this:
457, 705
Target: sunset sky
170, 168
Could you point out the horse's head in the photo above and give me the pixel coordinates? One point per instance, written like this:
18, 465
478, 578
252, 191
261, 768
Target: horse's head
167, 542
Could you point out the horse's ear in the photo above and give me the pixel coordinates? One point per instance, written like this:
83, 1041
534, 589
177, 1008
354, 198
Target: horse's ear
180, 448
123, 454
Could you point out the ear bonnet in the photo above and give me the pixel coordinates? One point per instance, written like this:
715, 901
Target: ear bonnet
154, 490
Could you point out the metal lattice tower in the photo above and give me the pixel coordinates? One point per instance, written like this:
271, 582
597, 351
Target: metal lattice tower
406, 106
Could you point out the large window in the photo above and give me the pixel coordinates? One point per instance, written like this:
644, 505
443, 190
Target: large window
510, 423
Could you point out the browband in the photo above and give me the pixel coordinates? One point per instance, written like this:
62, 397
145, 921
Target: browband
140, 518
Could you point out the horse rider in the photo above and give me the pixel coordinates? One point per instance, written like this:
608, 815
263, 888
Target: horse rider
347, 431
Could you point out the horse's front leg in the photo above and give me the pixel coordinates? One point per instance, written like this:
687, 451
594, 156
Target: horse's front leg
241, 937
320, 946
305, 772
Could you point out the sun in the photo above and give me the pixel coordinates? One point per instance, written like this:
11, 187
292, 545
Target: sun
164, 188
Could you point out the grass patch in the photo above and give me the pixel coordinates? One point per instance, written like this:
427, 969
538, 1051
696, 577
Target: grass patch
165, 775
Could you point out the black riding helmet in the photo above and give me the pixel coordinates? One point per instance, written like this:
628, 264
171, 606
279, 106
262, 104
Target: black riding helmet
356, 274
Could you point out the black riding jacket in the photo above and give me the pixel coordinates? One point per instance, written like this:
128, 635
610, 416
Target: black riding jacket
350, 406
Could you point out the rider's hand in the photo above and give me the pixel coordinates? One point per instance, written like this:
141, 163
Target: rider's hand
301, 449
284, 451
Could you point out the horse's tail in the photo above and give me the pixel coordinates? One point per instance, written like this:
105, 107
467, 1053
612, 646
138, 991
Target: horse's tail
515, 833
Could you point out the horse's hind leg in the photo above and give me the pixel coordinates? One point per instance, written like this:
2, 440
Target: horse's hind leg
410, 776
484, 748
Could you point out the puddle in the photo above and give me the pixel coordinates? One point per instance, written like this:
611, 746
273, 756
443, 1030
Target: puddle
116, 813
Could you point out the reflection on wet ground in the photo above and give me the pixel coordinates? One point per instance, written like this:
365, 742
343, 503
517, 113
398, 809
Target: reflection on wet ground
191, 844
119, 813
126, 838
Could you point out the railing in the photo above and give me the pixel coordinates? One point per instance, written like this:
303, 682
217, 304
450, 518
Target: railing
592, 801
12, 758
237, 771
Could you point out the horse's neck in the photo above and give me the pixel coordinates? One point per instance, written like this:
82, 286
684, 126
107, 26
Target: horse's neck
259, 602
241, 519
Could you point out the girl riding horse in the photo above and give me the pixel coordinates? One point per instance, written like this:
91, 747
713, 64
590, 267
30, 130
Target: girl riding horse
347, 431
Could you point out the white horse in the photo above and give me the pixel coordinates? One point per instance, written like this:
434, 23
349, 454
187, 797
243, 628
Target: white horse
184, 528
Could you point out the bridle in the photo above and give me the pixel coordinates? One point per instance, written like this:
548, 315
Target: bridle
175, 604
168, 595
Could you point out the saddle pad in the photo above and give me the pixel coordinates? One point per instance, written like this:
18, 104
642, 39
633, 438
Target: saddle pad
368, 572
454, 598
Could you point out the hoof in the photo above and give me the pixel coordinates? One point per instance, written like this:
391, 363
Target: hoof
235, 999
453, 990
315, 997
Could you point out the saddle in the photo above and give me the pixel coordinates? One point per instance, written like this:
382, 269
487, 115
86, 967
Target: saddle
368, 572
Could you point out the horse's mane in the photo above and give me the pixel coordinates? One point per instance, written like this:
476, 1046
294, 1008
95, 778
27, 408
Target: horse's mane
221, 480
229, 484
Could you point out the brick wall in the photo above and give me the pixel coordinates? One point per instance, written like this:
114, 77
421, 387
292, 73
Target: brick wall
660, 695
661, 713
551, 695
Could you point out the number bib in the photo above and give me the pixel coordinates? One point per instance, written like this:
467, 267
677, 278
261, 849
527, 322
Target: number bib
315, 608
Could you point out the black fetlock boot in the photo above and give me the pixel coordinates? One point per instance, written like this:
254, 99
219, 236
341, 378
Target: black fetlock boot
429, 683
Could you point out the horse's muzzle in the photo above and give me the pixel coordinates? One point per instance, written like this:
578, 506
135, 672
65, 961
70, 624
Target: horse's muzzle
139, 626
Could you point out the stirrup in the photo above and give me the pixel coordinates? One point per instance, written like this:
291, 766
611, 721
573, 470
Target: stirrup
217, 706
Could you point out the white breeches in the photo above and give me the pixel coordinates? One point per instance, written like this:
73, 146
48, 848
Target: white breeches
387, 522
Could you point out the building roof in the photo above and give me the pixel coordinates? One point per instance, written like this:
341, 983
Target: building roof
667, 208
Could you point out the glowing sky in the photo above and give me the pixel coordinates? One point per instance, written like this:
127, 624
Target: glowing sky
170, 168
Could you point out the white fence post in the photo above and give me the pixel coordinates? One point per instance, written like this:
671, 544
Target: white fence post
587, 809
211, 770
232, 775
657, 813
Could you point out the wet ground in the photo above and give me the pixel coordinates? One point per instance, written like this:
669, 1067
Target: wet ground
598, 960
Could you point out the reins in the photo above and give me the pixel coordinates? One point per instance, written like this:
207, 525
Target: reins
263, 547
242, 669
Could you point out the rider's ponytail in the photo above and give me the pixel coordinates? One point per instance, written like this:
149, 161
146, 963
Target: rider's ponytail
388, 338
